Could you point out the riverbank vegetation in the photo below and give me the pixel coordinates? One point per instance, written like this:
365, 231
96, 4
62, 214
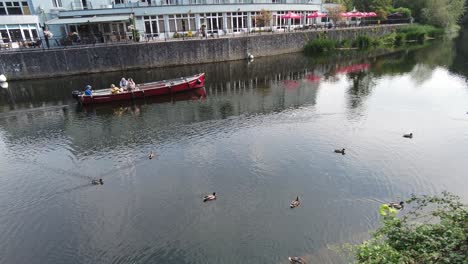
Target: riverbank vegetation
439, 13
433, 230
402, 36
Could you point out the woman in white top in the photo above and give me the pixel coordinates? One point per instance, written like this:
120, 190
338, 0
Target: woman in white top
130, 84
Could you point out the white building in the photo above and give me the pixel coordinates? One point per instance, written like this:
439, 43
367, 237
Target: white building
19, 23
110, 20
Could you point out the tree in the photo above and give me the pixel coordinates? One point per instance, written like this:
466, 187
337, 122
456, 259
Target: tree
443, 13
264, 18
348, 4
435, 230
334, 13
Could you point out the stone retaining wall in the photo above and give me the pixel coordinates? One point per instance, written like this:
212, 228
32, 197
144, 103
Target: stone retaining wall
91, 59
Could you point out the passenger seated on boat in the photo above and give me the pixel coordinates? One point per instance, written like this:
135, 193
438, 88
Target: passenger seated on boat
88, 90
130, 84
123, 83
114, 89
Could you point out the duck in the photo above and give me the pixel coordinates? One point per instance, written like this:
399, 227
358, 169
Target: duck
97, 182
397, 206
410, 135
151, 155
295, 203
341, 151
296, 260
209, 197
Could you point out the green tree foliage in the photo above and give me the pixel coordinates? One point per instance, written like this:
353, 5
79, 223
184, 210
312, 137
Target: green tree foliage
443, 13
264, 18
334, 13
440, 13
348, 4
435, 230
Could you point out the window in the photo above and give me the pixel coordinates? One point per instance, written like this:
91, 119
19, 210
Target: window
34, 33
2, 9
26, 10
4, 36
14, 8
26, 33
15, 35
214, 21
238, 21
57, 3
154, 25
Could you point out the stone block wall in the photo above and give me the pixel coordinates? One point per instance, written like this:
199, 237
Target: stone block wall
32, 64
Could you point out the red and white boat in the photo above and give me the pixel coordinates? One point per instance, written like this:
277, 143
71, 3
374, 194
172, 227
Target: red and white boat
143, 90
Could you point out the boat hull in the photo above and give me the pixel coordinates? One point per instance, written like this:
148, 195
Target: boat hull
146, 90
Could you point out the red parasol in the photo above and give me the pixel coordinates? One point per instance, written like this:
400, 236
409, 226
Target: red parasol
291, 84
312, 78
316, 14
353, 68
291, 15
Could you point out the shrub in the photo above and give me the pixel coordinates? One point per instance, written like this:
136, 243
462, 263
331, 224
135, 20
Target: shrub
319, 46
434, 230
363, 42
419, 32
406, 12
399, 38
345, 43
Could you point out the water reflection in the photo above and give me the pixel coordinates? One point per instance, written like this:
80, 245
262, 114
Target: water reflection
258, 134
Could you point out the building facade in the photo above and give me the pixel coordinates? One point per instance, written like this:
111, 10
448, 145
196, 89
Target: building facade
19, 23
93, 21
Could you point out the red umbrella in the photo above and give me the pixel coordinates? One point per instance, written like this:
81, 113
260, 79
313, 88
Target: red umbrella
291, 15
344, 14
312, 78
353, 68
372, 14
359, 14
291, 84
316, 14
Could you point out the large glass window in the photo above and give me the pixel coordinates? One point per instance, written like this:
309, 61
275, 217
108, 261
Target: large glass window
15, 35
14, 8
2, 9
34, 33
25, 7
154, 25
26, 34
4, 35
214, 21
57, 3
238, 21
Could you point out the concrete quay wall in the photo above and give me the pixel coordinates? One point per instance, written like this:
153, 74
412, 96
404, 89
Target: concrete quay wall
32, 64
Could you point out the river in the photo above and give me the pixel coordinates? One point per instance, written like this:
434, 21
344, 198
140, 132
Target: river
262, 133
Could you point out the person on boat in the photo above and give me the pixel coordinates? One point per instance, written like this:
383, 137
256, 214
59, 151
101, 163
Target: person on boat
123, 83
114, 89
130, 84
88, 90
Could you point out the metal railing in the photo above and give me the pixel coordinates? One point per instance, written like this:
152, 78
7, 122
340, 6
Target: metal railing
67, 42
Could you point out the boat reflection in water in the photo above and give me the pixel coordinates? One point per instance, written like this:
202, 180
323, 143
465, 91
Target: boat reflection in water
134, 107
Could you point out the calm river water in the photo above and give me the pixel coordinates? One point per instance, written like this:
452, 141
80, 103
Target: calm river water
264, 133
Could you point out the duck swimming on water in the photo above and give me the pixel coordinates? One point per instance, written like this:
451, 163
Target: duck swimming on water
295, 203
397, 206
97, 182
341, 151
296, 260
151, 155
410, 135
209, 197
